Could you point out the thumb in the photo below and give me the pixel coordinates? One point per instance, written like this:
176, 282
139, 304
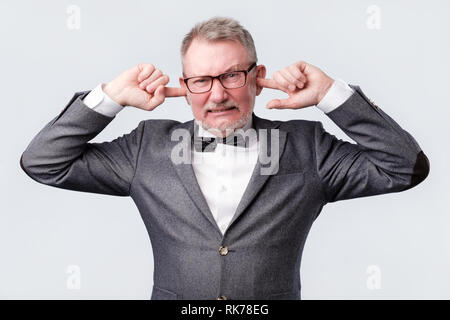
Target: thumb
273, 104
158, 97
279, 104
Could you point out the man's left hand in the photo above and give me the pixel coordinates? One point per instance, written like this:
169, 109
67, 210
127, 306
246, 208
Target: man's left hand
305, 84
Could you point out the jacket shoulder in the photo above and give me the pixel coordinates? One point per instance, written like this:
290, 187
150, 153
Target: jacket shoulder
298, 127
160, 126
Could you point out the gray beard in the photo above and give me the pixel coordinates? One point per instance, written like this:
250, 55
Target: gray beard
228, 126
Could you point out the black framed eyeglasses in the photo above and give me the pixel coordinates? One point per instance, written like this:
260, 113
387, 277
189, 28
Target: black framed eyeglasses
229, 80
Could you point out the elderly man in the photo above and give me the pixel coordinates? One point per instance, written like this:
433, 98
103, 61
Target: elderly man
220, 228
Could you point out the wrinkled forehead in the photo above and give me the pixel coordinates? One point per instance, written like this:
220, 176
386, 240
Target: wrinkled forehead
214, 57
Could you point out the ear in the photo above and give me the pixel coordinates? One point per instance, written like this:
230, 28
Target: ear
260, 73
183, 85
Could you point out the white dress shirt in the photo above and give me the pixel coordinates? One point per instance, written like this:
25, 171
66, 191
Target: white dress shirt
223, 175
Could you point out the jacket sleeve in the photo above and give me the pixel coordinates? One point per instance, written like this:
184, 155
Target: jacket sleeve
61, 156
384, 159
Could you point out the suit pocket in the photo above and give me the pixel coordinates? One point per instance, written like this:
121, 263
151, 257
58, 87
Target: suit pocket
163, 294
292, 185
289, 174
290, 177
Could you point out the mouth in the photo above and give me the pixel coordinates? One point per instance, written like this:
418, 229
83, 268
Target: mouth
222, 110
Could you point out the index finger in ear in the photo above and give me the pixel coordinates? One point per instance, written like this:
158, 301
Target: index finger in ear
267, 83
174, 92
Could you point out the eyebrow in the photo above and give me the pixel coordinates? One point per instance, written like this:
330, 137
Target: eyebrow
234, 67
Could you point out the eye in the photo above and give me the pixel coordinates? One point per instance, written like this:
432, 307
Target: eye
231, 75
200, 81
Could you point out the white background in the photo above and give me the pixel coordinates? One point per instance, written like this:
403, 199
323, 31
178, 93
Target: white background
403, 67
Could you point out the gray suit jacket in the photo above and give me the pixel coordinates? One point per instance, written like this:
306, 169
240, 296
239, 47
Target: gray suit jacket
266, 236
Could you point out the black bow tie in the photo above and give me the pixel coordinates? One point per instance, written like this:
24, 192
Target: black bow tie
208, 144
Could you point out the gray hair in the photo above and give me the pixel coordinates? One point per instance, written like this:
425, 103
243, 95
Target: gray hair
220, 28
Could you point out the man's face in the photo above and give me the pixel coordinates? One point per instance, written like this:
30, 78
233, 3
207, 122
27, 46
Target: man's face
213, 58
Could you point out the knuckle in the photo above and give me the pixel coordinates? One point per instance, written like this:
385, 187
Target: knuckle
277, 77
286, 74
148, 71
291, 77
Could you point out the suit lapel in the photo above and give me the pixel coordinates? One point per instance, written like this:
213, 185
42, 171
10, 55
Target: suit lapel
257, 180
186, 173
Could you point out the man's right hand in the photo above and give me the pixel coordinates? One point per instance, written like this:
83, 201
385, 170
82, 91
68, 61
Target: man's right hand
142, 86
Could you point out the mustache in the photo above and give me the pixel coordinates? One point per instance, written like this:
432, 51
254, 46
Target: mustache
215, 106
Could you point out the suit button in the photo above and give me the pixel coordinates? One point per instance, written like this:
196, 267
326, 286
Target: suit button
223, 251
222, 298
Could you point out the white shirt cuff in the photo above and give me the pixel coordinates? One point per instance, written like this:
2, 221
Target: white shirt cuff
100, 102
336, 95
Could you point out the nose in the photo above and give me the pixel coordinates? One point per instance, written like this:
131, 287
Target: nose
218, 92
